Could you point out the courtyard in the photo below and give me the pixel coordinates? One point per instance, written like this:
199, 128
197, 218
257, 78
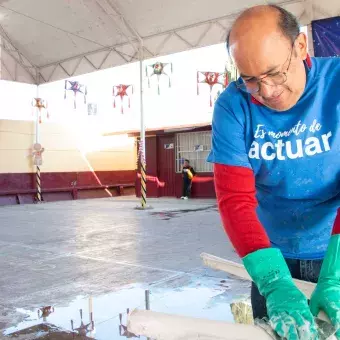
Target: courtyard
75, 267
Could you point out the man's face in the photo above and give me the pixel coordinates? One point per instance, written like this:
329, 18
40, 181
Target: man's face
270, 57
186, 163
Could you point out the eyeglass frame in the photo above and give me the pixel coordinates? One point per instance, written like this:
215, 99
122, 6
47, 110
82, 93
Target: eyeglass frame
259, 81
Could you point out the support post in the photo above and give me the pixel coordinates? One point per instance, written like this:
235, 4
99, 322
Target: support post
142, 131
0, 57
147, 304
37, 139
38, 184
147, 300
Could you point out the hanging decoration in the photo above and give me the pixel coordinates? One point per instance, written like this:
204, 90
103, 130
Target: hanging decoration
121, 91
123, 330
37, 152
212, 79
44, 312
75, 87
158, 69
232, 75
83, 329
41, 106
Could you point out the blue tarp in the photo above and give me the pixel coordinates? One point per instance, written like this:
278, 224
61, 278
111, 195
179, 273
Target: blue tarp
326, 37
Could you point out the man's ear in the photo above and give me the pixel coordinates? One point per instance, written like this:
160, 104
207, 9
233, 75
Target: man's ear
301, 46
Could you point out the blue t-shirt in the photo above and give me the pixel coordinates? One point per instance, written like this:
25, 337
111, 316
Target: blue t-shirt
295, 156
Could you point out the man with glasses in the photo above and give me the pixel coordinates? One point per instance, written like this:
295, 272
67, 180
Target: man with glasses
276, 149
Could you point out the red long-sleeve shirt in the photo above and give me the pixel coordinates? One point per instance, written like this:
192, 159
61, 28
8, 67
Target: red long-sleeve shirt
235, 190
336, 228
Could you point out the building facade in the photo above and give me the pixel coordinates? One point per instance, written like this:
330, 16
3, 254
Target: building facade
166, 150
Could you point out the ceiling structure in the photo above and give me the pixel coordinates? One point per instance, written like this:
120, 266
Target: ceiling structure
48, 40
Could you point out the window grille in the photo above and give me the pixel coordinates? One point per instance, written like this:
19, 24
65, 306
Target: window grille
194, 146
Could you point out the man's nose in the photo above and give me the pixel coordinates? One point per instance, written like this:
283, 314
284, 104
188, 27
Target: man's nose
266, 91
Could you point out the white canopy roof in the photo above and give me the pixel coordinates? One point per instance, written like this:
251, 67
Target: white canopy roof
47, 40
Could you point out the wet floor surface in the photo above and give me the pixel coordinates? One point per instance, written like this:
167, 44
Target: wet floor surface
99, 256
104, 317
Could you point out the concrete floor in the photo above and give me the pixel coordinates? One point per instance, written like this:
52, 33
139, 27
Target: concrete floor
61, 254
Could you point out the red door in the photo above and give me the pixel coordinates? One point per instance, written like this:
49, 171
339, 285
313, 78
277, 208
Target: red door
166, 165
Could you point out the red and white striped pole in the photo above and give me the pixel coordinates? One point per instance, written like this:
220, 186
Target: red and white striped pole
38, 184
142, 133
37, 138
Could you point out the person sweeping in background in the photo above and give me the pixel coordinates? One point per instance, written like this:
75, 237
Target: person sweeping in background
276, 149
188, 174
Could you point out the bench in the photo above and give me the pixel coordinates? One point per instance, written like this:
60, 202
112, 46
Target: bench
73, 190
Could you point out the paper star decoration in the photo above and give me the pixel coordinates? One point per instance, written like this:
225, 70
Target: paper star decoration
41, 106
212, 79
76, 88
121, 91
158, 69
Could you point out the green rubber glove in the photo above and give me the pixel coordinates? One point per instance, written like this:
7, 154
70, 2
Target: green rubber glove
327, 292
287, 307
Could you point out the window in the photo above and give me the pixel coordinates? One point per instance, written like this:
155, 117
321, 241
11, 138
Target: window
194, 146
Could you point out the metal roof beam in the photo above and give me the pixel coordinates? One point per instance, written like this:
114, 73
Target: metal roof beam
141, 41
3, 65
101, 4
125, 21
8, 45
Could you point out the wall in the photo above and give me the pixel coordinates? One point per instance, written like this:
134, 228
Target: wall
77, 163
175, 105
202, 186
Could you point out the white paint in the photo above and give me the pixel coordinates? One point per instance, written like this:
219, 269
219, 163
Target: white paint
293, 149
170, 327
312, 146
279, 145
325, 140
299, 151
264, 151
254, 151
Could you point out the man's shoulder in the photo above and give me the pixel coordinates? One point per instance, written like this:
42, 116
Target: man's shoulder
231, 96
329, 67
232, 101
231, 106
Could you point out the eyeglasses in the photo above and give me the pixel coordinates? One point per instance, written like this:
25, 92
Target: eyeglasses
253, 85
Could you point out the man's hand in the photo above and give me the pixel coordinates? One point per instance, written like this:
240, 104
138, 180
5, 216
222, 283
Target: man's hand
287, 307
326, 296
288, 312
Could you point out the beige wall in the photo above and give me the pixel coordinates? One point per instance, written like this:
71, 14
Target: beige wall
66, 149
